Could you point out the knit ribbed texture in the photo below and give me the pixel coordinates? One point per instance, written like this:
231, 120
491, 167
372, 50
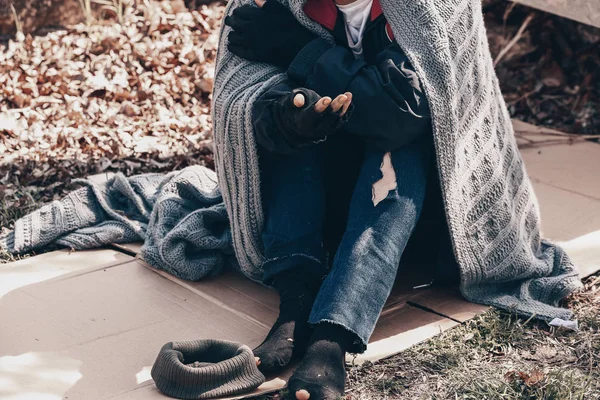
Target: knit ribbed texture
88, 217
188, 232
180, 216
223, 368
491, 209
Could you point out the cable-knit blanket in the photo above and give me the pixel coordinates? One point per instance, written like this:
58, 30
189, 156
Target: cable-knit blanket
490, 206
179, 216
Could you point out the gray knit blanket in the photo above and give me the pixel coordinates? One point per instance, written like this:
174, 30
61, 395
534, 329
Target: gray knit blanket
490, 206
180, 217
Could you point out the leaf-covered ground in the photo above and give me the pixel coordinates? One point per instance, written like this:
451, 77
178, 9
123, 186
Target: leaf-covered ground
134, 97
550, 76
109, 97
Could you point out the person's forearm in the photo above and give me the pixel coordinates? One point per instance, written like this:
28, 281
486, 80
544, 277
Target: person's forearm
390, 108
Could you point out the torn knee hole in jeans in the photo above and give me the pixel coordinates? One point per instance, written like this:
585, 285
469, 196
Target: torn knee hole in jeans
382, 187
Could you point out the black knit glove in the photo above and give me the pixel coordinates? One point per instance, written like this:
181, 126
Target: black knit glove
304, 125
269, 34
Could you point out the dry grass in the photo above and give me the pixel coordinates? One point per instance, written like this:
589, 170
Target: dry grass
495, 356
18, 24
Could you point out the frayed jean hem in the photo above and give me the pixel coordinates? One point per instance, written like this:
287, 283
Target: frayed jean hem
358, 345
309, 264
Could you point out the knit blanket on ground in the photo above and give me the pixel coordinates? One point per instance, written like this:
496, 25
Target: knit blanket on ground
491, 210
180, 217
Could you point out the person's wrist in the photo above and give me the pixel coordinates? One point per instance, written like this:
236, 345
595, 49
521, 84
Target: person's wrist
286, 124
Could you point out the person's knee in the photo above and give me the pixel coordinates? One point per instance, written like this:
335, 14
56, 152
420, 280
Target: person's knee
387, 184
402, 177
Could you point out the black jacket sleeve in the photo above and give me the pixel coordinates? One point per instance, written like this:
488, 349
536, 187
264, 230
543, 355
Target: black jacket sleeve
390, 108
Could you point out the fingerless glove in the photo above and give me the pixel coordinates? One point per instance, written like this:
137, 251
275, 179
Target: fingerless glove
303, 125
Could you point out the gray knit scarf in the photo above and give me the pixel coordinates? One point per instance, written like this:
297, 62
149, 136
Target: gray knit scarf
180, 217
490, 206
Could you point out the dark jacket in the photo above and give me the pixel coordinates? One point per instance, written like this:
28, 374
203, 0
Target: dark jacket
389, 106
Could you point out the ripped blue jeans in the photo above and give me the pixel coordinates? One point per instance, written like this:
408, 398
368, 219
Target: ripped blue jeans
380, 216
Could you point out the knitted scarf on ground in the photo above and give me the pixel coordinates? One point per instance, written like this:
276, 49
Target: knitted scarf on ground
491, 209
180, 217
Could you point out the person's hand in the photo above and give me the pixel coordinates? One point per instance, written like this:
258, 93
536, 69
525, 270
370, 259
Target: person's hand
268, 33
306, 117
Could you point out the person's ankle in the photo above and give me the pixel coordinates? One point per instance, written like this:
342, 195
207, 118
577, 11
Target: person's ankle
332, 332
296, 280
291, 332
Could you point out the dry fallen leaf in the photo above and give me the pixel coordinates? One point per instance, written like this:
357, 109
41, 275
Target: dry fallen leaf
530, 379
109, 95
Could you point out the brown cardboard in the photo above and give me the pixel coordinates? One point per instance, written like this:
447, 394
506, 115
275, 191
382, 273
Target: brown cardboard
528, 135
449, 302
564, 179
399, 327
128, 248
571, 167
53, 265
568, 190
100, 178
96, 329
94, 333
584, 251
585, 11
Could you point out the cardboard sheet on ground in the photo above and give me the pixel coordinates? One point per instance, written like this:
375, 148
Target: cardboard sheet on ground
585, 11
88, 325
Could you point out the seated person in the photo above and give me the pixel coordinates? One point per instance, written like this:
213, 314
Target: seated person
345, 154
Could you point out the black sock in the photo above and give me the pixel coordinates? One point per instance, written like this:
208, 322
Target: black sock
322, 371
290, 333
